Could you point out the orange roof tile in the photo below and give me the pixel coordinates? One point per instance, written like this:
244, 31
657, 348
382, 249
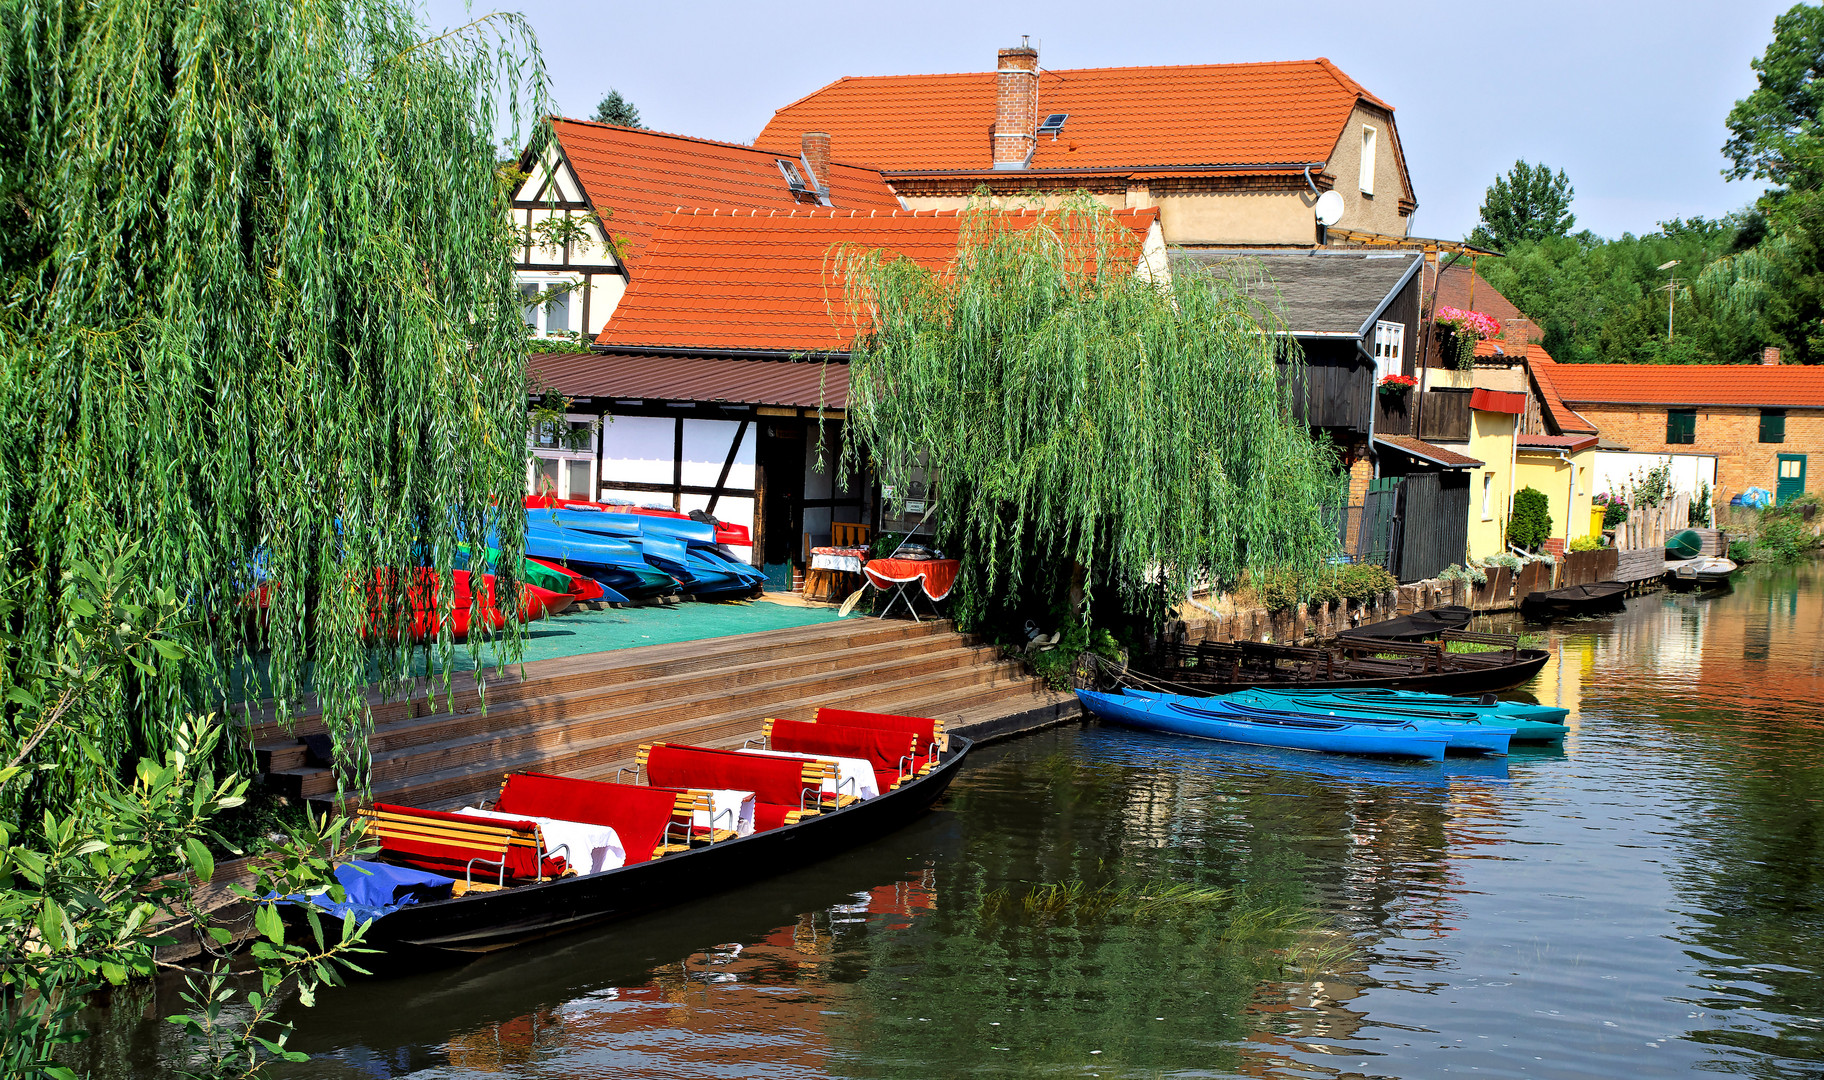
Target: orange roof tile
1782, 386
1120, 118
1544, 369
760, 282
634, 178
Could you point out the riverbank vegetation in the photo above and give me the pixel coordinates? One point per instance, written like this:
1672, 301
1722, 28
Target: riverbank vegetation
259, 365
1076, 414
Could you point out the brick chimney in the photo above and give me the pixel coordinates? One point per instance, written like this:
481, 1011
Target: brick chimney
815, 146
1016, 106
1770, 357
1515, 333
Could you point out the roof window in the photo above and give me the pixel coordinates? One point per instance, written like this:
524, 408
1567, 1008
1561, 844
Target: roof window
793, 179
1053, 124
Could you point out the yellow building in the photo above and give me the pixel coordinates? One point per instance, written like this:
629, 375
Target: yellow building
1561, 466
1487, 404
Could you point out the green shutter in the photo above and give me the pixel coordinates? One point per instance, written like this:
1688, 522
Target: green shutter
1773, 425
1681, 426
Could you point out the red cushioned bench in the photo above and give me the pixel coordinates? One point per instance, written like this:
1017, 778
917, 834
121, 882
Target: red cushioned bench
460, 845
932, 739
639, 815
893, 754
786, 790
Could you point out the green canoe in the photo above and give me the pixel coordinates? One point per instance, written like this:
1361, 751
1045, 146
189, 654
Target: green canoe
1342, 707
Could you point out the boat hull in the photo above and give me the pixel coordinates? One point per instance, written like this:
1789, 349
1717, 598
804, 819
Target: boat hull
1162, 715
484, 922
1465, 731
1466, 681
1526, 728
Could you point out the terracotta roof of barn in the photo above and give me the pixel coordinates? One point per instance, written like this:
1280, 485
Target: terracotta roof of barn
746, 282
1150, 119
634, 178
1780, 386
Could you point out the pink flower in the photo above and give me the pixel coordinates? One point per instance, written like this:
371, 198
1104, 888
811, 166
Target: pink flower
1473, 322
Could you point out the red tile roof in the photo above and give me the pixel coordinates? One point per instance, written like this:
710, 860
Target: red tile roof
694, 378
1147, 118
1543, 369
1783, 386
726, 281
1425, 451
1568, 443
634, 178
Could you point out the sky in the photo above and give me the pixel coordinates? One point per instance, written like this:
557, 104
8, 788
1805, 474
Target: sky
1629, 99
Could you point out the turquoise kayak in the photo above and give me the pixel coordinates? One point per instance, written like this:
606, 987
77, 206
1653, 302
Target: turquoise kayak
1551, 714
1524, 719
1328, 736
1466, 733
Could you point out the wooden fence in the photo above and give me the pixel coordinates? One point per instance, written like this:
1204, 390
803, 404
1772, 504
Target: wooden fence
1648, 527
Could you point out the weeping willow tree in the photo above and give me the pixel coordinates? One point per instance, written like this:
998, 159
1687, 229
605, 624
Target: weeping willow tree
1076, 410
260, 325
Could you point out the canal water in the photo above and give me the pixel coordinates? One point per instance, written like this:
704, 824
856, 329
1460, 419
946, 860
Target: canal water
1093, 901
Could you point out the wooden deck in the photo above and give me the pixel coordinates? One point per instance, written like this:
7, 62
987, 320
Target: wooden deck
586, 715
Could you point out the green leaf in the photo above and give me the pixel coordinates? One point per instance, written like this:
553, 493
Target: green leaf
266, 920
202, 864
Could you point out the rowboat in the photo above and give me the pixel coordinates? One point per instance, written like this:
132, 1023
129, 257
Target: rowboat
1415, 627
465, 914
1531, 723
1703, 572
1575, 600
1465, 731
1342, 664
1180, 717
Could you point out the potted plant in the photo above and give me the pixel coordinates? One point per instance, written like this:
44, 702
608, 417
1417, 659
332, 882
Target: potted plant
1458, 332
1396, 386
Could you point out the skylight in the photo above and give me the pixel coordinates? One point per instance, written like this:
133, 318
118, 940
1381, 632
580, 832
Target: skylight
793, 179
1053, 124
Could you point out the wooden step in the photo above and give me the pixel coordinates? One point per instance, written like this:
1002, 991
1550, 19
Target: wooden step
839, 665
542, 677
710, 708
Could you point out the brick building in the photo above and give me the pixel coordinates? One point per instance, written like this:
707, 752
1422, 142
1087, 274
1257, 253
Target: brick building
1763, 423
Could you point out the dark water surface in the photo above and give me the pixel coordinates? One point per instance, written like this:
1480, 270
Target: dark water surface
1649, 902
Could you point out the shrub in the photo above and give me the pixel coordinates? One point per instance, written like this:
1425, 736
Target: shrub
1532, 520
1587, 543
1280, 591
1783, 537
1473, 575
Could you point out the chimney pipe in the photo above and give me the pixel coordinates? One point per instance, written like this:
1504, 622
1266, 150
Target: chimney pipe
1016, 106
815, 146
1770, 357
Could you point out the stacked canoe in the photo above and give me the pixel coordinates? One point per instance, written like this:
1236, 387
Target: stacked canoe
1379, 722
646, 555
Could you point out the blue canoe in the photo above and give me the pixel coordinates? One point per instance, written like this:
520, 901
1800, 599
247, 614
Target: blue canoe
1465, 732
1546, 714
616, 564
1328, 736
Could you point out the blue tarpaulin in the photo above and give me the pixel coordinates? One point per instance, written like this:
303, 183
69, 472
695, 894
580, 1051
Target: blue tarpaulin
373, 889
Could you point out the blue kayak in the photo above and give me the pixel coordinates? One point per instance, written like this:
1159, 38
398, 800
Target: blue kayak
1328, 736
1465, 732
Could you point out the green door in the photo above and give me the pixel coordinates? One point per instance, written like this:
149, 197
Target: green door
1791, 482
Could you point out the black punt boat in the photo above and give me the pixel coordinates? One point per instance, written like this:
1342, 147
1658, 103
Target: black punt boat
1415, 627
1342, 664
1575, 600
442, 931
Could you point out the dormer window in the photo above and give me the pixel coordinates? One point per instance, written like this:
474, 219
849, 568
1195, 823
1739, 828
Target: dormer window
793, 178
1053, 124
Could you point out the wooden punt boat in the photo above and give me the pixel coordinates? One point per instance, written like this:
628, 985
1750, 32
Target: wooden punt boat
1575, 600
1342, 664
442, 931
1415, 627
1180, 716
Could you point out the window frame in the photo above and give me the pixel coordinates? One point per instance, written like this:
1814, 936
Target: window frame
1370, 153
1488, 495
1673, 434
563, 455
540, 323
1773, 414
1389, 349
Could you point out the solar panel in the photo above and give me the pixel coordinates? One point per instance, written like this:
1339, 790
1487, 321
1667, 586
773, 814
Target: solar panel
1054, 123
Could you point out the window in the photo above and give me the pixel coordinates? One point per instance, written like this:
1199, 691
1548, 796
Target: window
1367, 160
1389, 349
1773, 425
793, 179
547, 305
1681, 426
1488, 496
561, 458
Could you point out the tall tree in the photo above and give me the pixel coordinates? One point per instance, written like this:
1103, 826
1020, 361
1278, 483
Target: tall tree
615, 109
1774, 132
1529, 203
1074, 412
261, 321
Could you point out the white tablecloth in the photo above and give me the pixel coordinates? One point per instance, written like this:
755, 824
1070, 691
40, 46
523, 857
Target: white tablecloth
741, 802
594, 847
849, 563
847, 769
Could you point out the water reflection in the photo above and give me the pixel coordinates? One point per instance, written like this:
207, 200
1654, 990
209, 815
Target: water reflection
1646, 902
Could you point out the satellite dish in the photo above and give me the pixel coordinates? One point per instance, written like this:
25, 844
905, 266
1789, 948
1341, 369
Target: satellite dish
1329, 208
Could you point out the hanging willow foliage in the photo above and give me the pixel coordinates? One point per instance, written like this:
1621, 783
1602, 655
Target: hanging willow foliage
1074, 410
260, 320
